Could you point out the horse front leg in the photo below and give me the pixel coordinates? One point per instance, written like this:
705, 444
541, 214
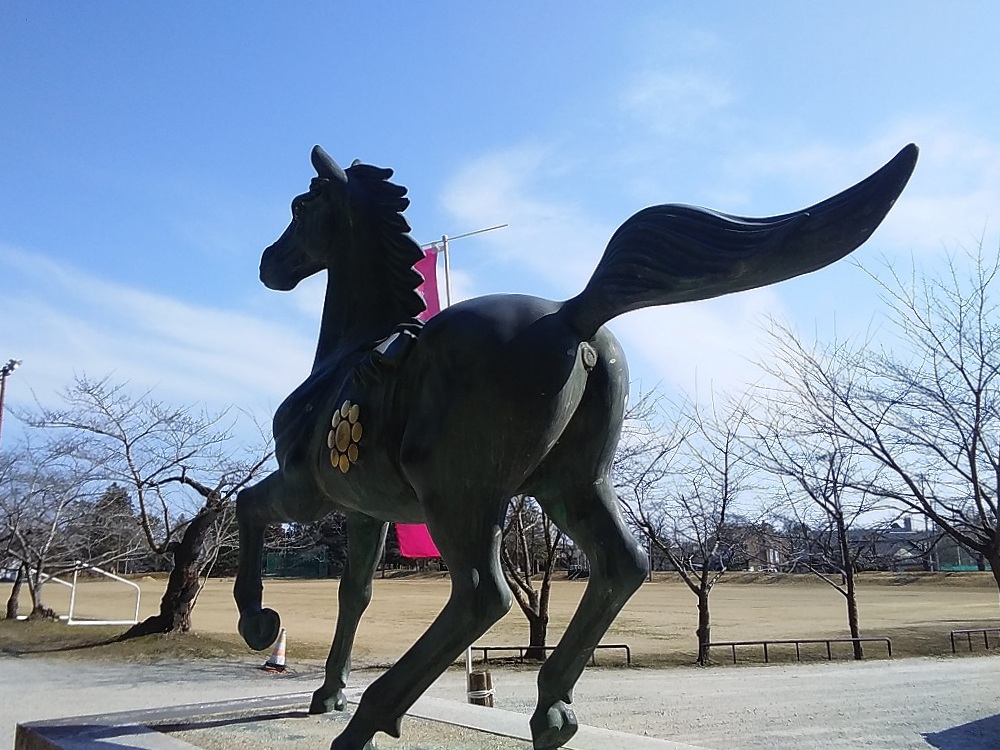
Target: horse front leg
255, 511
365, 540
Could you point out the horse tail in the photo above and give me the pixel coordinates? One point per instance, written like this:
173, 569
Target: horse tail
673, 253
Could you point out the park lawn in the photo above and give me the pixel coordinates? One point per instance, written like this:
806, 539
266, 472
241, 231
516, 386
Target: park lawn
917, 611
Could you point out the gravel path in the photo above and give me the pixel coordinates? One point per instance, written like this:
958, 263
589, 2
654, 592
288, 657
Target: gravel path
950, 704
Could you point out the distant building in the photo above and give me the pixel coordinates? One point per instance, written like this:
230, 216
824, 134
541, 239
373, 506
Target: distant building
897, 547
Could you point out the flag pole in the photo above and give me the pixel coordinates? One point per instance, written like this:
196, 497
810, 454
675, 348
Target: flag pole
447, 270
444, 243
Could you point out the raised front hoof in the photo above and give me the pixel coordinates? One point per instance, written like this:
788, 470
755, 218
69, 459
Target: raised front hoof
554, 727
260, 629
322, 703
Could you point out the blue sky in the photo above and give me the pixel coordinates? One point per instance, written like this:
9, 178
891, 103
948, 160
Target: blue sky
148, 153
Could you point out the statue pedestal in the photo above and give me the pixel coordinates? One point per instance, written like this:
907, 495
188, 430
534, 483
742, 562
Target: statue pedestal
282, 722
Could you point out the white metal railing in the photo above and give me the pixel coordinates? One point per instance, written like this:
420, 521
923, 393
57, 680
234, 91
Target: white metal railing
68, 618
72, 597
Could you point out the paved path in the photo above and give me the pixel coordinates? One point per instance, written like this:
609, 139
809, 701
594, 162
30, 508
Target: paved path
948, 703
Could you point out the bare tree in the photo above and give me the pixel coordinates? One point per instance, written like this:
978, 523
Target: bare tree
182, 468
924, 414
9, 522
108, 530
43, 497
330, 534
816, 476
316, 549
681, 488
530, 548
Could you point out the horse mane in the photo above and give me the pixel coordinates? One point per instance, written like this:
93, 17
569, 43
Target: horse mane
382, 204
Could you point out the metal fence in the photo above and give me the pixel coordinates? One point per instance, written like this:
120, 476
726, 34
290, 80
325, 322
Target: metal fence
985, 632
798, 645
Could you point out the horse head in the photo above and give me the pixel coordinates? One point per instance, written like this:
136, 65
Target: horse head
350, 222
318, 218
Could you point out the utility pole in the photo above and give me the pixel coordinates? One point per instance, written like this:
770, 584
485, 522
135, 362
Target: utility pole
7, 369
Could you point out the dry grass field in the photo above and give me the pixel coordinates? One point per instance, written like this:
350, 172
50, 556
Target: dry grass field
916, 611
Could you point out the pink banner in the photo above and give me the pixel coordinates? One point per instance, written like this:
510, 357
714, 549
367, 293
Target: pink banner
415, 541
414, 538
429, 289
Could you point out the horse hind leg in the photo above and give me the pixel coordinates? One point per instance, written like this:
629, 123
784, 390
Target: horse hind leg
255, 511
365, 540
618, 566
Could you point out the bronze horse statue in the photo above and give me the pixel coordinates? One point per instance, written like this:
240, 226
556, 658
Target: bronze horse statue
442, 423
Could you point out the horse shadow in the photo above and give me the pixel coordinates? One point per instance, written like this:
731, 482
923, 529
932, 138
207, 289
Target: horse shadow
982, 734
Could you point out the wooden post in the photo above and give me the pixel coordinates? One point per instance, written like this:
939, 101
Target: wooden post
481, 688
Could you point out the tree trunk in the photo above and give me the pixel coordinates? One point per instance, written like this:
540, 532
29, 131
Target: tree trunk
994, 561
14, 600
38, 609
851, 593
852, 614
183, 584
704, 628
538, 626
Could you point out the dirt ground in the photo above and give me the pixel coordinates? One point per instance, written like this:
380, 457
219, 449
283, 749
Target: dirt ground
921, 703
916, 611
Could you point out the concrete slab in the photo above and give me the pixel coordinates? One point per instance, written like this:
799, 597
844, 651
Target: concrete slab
282, 721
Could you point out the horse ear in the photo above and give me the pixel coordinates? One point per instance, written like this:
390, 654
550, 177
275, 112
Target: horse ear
326, 166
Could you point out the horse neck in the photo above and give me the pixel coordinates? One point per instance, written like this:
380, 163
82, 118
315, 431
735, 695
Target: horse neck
353, 321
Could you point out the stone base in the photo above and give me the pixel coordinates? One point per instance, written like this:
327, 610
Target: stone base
283, 722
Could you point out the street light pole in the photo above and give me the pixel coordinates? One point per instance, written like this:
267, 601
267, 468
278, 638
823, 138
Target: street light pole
7, 369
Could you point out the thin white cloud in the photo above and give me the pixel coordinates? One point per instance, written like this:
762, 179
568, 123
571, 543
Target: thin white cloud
546, 235
671, 103
64, 322
702, 347
955, 191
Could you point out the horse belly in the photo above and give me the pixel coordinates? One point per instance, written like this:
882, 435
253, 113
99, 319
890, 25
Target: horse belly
374, 487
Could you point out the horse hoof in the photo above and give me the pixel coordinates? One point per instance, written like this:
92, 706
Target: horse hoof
260, 629
554, 727
370, 745
322, 703
347, 742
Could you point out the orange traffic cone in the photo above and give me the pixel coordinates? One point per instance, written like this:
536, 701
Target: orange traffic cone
277, 661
